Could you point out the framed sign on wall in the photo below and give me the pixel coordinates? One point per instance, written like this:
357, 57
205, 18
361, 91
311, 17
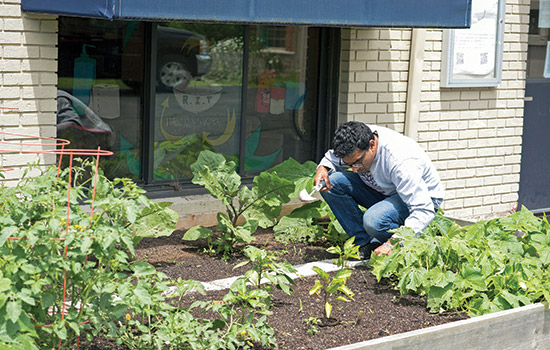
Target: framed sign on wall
473, 57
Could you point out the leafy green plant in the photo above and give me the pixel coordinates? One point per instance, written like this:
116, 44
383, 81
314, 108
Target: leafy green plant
259, 206
155, 319
348, 251
53, 264
265, 266
173, 159
306, 223
332, 288
312, 323
485, 267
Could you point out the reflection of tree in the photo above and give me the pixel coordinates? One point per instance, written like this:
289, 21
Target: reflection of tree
227, 63
172, 160
213, 32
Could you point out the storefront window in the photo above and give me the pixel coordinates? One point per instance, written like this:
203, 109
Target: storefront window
100, 98
201, 96
281, 118
198, 95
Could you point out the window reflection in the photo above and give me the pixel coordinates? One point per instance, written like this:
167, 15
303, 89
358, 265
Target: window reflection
198, 95
99, 90
282, 99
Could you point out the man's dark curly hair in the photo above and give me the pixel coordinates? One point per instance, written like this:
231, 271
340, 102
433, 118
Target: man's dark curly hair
349, 136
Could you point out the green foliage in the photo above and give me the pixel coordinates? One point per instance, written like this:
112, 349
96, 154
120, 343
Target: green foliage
107, 292
266, 267
173, 159
485, 267
303, 224
345, 252
94, 254
331, 288
259, 205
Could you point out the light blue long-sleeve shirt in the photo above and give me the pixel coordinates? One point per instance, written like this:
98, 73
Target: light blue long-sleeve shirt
401, 166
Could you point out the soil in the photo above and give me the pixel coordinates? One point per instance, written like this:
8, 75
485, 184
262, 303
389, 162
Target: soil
377, 310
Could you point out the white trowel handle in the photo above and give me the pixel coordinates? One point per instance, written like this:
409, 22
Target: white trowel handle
319, 186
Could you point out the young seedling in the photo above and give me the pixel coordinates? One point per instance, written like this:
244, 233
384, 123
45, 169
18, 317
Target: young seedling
332, 287
265, 267
349, 250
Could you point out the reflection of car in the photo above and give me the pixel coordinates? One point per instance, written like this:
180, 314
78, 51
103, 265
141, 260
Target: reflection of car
182, 56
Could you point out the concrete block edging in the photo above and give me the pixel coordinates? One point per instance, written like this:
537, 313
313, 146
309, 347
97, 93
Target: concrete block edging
522, 328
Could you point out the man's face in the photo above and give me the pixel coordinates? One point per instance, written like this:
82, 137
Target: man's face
360, 161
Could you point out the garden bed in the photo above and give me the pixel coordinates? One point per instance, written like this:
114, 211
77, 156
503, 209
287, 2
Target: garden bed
376, 311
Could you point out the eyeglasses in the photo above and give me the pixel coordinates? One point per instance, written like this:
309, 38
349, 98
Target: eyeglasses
358, 163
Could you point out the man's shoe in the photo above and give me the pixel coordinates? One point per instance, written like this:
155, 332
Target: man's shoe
366, 250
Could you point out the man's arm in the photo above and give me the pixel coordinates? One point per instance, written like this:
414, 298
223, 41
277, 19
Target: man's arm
326, 166
411, 188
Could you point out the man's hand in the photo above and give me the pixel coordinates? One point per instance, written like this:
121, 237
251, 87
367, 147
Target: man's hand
322, 175
384, 249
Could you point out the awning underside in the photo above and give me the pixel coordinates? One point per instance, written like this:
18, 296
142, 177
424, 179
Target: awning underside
340, 13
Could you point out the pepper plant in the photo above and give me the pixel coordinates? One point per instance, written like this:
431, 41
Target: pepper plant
265, 266
332, 288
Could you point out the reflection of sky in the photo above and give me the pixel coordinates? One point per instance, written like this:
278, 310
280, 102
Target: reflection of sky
484, 9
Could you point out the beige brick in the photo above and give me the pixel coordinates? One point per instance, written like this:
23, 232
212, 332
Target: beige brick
449, 204
400, 45
392, 97
21, 52
390, 55
356, 87
9, 120
376, 108
366, 97
48, 78
377, 66
31, 38
48, 26
367, 55
380, 45
368, 34
366, 76
16, 24
372, 87
478, 104
355, 108
357, 66
21, 79
39, 65
11, 10
469, 95
358, 45
10, 38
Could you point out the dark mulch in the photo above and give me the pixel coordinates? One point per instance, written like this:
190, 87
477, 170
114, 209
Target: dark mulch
376, 311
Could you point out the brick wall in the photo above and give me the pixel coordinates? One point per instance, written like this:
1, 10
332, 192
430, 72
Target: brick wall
28, 79
472, 134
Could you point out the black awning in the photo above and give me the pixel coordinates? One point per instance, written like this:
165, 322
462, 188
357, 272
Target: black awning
340, 13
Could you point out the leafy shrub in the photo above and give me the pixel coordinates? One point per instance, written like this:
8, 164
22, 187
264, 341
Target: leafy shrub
485, 267
305, 223
50, 264
259, 206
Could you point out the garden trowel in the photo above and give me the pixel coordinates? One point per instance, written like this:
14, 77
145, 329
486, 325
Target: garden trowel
304, 196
